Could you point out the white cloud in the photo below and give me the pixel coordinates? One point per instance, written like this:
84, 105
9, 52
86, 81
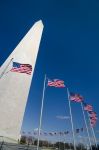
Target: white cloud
62, 117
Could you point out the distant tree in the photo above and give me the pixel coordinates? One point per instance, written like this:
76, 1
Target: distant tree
23, 140
29, 140
40, 143
94, 147
59, 145
45, 143
98, 147
67, 146
35, 142
80, 146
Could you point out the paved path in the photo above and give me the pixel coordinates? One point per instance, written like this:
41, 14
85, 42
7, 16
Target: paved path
10, 146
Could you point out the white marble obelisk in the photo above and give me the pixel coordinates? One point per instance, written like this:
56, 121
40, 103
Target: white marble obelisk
14, 86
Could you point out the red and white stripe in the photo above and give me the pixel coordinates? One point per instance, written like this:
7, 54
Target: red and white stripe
23, 69
56, 83
76, 98
88, 107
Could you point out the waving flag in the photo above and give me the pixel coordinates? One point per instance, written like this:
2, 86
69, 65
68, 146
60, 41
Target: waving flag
82, 129
76, 97
60, 133
45, 133
55, 133
93, 122
77, 130
92, 114
35, 133
23, 132
29, 132
51, 133
93, 118
66, 132
56, 83
21, 68
87, 107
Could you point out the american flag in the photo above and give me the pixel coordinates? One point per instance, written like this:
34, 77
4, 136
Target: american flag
66, 132
82, 129
77, 130
60, 133
29, 132
21, 68
93, 118
40, 133
55, 133
92, 114
56, 83
93, 122
45, 133
23, 132
88, 107
35, 133
76, 97
51, 133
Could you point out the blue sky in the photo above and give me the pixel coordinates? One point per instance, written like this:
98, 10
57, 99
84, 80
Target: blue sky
69, 51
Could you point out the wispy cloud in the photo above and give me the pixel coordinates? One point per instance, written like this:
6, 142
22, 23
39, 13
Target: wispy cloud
63, 117
36, 129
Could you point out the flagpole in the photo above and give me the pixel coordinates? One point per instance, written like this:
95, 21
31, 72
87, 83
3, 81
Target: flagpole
64, 141
3, 72
70, 145
92, 131
86, 125
41, 113
58, 133
59, 141
71, 118
81, 141
84, 139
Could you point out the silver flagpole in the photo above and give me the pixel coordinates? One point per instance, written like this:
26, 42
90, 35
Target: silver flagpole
59, 141
64, 144
71, 118
41, 113
64, 141
86, 125
3, 72
92, 131
80, 137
